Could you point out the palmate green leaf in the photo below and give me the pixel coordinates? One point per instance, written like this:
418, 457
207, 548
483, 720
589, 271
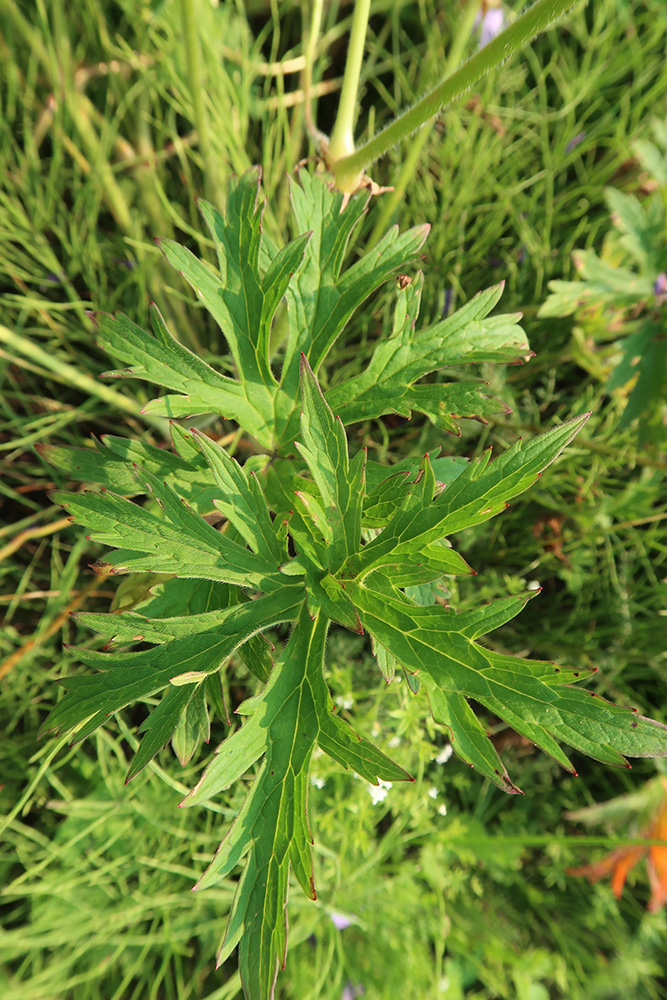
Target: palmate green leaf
534, 697
285, 723
111, 463
179, 542
387, 385
241, 300
179, 664
602, 284
340, 482
198, 388
243, 296
308, 536
323, 295
243, 503
194, 726
205, 604
641, 226
478, 493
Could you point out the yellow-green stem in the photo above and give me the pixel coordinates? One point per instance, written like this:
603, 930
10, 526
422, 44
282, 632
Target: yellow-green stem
342, 137
348, 169
409, 166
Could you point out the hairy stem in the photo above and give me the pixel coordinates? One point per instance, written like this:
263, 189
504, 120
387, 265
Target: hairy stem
342, 137
311, 46
408, 168
348, 169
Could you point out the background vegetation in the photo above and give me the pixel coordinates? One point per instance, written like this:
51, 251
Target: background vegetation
449, 887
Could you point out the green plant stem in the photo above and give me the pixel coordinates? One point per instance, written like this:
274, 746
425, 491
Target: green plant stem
194, 62
348, 169
311, 47
390, 203
342, 137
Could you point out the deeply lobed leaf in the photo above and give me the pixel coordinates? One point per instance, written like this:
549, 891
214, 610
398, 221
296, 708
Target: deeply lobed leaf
387, 385
303, 540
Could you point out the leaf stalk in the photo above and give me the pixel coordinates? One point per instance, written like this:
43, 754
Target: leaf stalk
349, 168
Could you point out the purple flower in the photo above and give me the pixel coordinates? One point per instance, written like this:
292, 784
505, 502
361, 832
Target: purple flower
660, 288
492, 22
339, 920
574, 142
351, 992
50, 279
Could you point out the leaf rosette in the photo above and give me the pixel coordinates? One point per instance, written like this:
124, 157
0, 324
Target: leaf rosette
304, 535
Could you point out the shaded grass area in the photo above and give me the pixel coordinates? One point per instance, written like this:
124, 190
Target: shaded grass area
99, 152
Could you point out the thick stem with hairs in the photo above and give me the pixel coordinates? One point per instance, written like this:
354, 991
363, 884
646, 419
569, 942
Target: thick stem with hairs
348, 168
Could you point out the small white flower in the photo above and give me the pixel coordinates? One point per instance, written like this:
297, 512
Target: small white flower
533, 585
318, 782
375, 731
378, 793
394, 742
442, 809
444, 754
433, 793
344, 701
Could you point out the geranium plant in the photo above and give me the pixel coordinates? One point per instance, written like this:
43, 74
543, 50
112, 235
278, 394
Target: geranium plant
309, 533
309, 536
